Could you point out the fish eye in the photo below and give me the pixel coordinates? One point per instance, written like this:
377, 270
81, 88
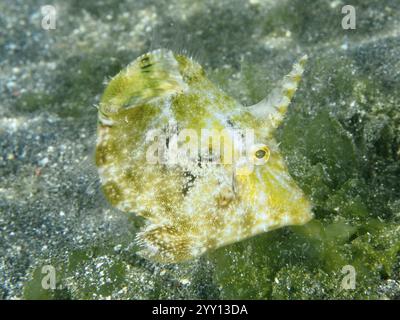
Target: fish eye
261, 154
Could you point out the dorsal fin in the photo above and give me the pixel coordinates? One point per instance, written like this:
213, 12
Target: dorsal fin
275, 105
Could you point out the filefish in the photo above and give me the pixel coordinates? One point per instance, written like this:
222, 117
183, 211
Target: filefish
206, 198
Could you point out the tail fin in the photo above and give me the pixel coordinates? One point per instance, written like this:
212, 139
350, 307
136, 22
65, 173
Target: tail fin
151, 76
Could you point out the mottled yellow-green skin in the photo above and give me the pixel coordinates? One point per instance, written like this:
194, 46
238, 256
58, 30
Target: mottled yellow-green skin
192, 207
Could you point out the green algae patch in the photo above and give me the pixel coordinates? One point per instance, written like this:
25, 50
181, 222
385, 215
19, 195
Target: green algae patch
307, 262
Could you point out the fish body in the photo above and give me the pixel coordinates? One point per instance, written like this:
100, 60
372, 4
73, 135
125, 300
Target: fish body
202, 169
